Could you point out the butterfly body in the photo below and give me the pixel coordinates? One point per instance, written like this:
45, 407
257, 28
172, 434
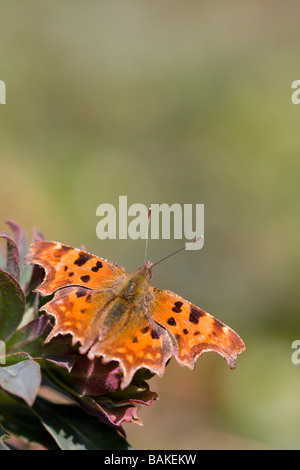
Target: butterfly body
123, 305
119, 316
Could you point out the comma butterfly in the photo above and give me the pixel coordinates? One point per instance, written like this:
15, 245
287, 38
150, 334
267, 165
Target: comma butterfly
118, 316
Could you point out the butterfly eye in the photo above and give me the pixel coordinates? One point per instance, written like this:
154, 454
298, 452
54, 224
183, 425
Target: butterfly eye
131, 288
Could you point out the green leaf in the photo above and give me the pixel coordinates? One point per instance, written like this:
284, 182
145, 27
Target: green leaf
22, 379
3, 435
30, 337
20, 420
12, 305
73, 429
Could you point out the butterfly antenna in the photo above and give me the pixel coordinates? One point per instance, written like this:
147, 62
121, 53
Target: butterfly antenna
174, 252
147, 235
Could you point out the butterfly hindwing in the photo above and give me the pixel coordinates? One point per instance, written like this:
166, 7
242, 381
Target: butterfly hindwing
75, 310
139, 344
105, 327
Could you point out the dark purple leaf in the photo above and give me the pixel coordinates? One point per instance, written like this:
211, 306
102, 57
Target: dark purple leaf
36, 278
37, 273
93, 377
96, 388
134, 394
12, 257
19, 237
112, 416
36, 235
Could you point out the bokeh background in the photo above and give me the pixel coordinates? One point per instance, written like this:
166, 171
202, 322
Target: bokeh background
171, 101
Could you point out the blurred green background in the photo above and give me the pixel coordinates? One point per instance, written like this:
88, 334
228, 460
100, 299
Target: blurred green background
171, 101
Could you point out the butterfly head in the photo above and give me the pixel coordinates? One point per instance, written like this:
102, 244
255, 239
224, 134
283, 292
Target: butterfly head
138, 282
148, 269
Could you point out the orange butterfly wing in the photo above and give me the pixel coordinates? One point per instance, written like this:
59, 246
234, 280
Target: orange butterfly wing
139, 344
75, 311
87, 306
121, 335
66, 266
90, 306
194, 330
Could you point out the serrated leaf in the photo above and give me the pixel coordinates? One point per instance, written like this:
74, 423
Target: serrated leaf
73, 429
12, 305
22, 379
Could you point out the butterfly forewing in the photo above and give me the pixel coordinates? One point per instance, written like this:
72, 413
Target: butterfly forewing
194, 330
66, 266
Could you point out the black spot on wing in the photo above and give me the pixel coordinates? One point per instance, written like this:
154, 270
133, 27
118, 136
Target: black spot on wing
98, 266
61, 250
177, 307
154, 334
217, 326
195, 314
80, 292
82, 259
145, 329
